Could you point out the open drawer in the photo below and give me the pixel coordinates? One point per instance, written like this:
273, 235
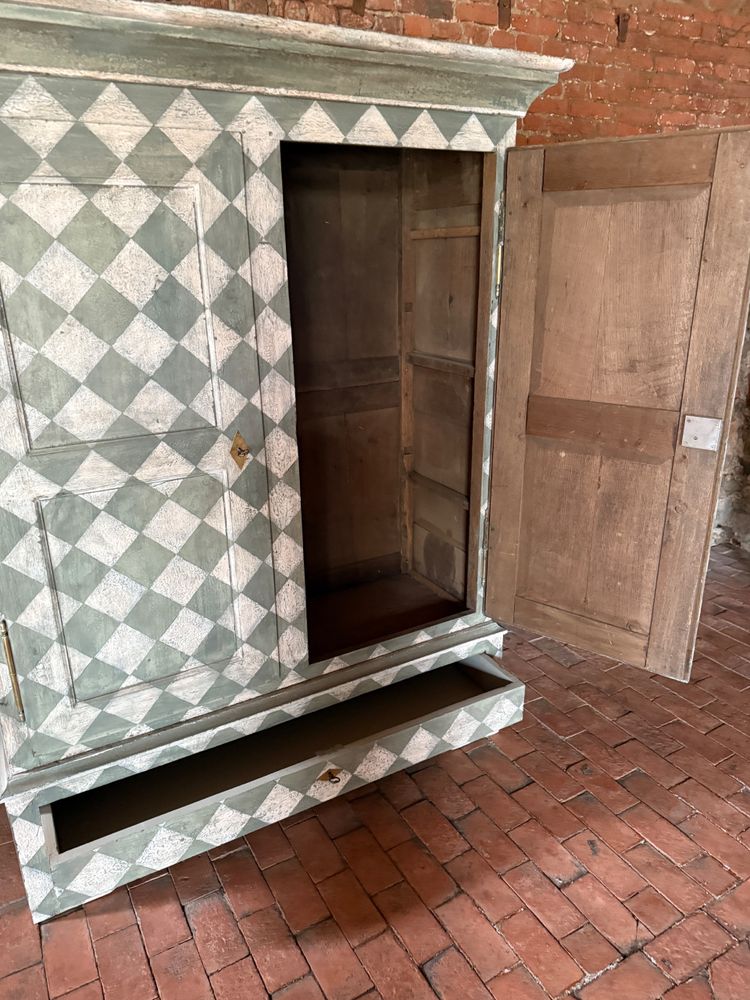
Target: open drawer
150, 820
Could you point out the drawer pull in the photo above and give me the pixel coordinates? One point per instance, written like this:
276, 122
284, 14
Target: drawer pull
331, 776
11, 664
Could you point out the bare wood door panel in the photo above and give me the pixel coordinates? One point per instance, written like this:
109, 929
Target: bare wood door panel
624, 299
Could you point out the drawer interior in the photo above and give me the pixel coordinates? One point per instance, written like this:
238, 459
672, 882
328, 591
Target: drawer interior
103, 811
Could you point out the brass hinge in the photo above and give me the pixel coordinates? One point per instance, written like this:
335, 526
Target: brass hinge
11, 665
500, 247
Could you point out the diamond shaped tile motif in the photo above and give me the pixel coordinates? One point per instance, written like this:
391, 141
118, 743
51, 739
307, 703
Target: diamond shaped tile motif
141, 851
143, 557
146, 319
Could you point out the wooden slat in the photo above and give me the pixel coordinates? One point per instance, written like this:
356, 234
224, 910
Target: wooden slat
632, 430
338, 374
445, 491
678, 159
441, 364
718, 328
522, 230
406, 345
354, 399
444, 233
619, 643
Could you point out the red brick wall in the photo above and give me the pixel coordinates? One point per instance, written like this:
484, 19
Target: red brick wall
682, 65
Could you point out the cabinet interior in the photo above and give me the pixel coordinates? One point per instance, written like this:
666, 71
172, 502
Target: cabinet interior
383, 250
105, 810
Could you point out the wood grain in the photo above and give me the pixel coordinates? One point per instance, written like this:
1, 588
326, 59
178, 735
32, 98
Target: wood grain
678, 159
618, 643
718, 331
636, 431
523, 222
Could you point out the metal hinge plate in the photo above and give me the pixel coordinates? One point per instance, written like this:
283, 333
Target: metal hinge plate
702, 432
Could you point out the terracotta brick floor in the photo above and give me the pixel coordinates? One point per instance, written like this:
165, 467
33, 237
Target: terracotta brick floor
600, 848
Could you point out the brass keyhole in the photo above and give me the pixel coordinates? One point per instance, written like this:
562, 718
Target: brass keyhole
240, 450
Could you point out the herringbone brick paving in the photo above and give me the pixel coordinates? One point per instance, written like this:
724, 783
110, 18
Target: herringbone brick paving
599, 849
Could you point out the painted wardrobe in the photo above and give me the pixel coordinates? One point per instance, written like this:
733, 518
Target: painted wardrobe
270, 480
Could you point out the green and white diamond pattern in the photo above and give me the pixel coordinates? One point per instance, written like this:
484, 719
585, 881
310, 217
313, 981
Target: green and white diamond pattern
165, 211
97, 870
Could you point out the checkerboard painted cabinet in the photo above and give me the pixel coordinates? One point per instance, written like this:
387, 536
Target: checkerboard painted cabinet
181, 664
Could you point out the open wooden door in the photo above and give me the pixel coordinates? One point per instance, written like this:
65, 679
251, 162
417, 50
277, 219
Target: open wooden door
623, 311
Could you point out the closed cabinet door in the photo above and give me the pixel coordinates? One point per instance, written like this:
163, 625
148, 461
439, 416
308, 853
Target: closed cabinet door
623, 311
135, 571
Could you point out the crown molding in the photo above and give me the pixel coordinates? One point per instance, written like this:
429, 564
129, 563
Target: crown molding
129, 41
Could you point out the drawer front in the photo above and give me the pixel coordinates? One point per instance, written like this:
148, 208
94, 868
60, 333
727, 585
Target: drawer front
59, 882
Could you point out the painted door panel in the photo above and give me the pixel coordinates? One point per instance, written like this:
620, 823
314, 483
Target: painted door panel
623, 311
136, 577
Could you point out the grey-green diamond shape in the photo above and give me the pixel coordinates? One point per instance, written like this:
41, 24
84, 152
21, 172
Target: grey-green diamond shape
22, 240
153, 615
234, 305
31, 316
105, 312
78, 575
144, 560
45, 386
183, 375
93, 238
228, 236
173, 308
17, 160
222, 164
68, 520
205, 547
116, 380
135, 504
80, 156
165, 237
88, 630
157, 161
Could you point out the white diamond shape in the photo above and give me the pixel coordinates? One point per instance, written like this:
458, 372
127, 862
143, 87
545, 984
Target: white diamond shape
284, 504
187, 631
260, 131
128, 206
99, 876
280, 802
74, 349
113, 106
268, 271
290, 601
277, 396
179, 580
116, 596
472, 135
166, 848
376, 764
125, 649
424, 133
41, 136
62, 277
281, 452
154, 408
53, 206
316, 126
372, 130
171, 526
135, 274
145, 344
106, 539
274, 336
461, 730
225, 825
420, 746
264, 203
87, 415
287, 554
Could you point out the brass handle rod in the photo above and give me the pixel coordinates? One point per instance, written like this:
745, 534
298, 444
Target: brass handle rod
11, 664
